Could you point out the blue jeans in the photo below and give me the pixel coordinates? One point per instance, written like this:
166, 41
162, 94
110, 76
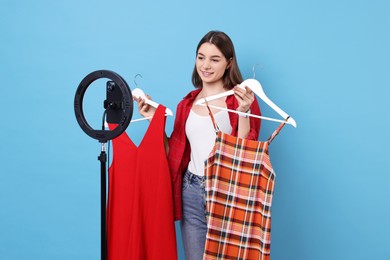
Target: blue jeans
193, 224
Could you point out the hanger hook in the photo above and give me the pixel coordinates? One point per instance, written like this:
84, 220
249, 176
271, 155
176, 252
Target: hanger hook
253, 69
135, 77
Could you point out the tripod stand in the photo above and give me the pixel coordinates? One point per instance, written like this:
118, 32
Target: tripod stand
120, 103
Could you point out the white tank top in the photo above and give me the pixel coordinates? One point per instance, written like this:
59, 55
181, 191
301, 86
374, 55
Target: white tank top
201, 135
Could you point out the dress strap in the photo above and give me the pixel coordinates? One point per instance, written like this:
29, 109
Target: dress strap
160, 117
212, 117
276, 132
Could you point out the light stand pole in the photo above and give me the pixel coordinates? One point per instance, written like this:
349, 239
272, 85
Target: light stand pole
103, 227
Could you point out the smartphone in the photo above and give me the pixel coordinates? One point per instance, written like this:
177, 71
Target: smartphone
114, 103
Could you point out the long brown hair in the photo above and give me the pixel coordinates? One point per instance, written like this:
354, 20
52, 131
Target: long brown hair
222, 41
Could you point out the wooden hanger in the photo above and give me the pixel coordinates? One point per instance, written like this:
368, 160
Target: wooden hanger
256, 87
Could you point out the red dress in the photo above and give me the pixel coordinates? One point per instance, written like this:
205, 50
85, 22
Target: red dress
140, 221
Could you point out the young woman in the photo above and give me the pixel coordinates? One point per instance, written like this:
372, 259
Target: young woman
193, 136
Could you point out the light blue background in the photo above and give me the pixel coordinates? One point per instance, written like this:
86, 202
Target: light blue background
326, 63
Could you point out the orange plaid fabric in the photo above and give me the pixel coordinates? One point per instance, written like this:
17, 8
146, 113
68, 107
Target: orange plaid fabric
239, 189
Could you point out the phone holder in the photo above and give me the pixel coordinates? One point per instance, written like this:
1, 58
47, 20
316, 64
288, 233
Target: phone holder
125, 106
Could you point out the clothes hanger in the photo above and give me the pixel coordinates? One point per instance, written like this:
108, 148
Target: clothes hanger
256, 87
138, 93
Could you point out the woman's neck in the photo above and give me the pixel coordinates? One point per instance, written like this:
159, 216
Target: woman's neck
212, 89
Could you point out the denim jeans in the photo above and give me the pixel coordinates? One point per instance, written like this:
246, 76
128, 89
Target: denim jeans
193, 224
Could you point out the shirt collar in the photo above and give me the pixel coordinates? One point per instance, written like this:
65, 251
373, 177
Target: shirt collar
192, 95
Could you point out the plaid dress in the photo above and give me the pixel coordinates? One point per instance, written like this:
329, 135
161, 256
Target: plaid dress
239, 188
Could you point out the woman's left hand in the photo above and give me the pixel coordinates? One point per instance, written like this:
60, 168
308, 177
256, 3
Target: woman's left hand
245, 97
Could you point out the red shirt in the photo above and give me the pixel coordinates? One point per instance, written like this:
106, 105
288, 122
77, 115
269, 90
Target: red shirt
179, 146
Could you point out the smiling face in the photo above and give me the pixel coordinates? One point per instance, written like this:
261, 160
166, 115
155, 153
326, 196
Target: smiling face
211, 64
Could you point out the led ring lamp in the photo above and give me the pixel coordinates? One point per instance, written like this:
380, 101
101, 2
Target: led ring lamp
126, 105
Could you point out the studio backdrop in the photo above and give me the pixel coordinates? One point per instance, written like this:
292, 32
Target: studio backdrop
326, 63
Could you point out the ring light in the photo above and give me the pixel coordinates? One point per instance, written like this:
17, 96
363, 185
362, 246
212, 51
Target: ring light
126, 105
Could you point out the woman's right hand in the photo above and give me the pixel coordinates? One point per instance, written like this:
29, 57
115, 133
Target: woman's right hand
145, 109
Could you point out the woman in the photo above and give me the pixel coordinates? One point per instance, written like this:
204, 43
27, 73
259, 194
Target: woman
193, 136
